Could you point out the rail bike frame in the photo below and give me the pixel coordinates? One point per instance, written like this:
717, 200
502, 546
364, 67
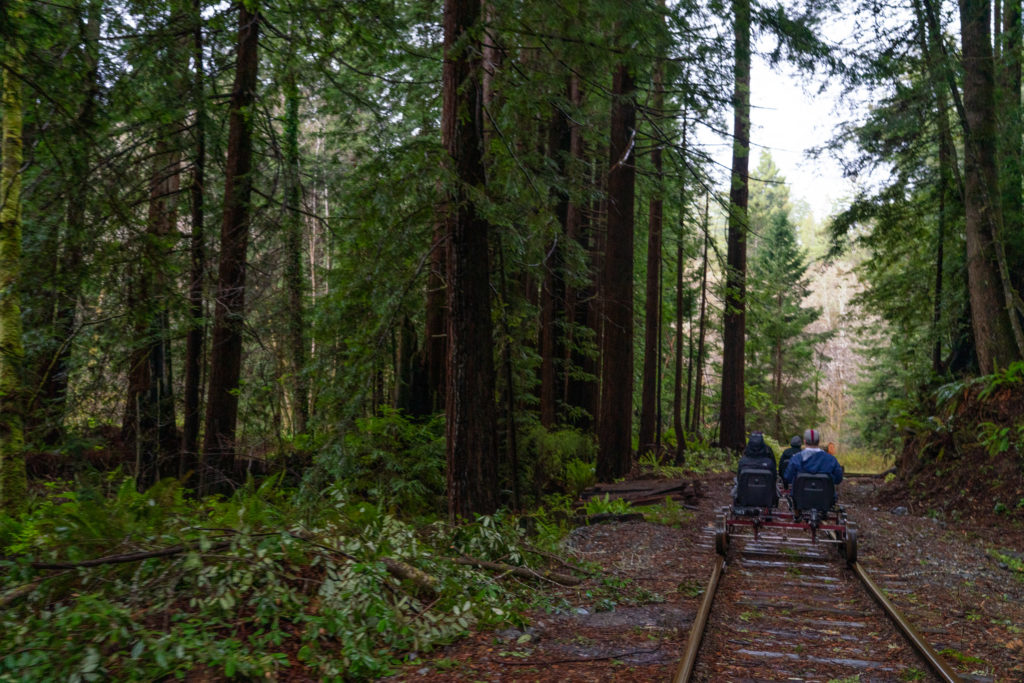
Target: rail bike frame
756, 509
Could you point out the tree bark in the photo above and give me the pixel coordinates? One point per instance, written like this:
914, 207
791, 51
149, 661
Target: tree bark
615, 417
1011, 149
296, 352
149, 423
470, 407
650, 398
67, 262
681, 402
552, 341
13, 481
698, 381
195, 339
228, 321
435, 343
993, 335
732, 417
580, 388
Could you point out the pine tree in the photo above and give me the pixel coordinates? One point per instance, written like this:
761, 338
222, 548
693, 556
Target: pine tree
780, 351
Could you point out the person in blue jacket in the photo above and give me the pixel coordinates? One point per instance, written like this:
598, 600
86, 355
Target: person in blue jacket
813, 459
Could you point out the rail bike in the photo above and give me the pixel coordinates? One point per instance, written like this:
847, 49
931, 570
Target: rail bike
809, 506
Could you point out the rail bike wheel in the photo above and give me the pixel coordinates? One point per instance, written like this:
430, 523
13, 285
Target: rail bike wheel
850, 543
721, 536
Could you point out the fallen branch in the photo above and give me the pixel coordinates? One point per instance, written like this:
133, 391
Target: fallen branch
658, 500
398, 569
19, 592
128, 557
604, 517
555, 558
406, 572
521, 572
577, 660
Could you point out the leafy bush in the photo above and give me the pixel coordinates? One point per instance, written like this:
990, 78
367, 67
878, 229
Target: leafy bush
651, 464
702, 458
558, 460
579, 475
1013, 374
669, 513
152, 585
604, 505
392, 459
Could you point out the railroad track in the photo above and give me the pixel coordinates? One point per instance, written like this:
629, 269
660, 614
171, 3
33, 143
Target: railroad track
784, 608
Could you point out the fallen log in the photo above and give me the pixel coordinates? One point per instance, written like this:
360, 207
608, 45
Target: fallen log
128, 557
521, 572
606, 517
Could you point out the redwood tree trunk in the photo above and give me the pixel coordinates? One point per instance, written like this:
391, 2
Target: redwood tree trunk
580, 392
13, 481
470, 408
435, 343
993, 336
149, 423
679, 402
732, 417
552, 341
615, 417
649, 398
293, 281
1011, 147
698, 379
195, 339
228, 320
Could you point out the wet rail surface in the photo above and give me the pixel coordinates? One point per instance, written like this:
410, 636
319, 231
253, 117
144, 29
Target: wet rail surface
789, 609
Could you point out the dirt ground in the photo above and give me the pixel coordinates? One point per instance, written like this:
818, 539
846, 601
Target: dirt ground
630, 621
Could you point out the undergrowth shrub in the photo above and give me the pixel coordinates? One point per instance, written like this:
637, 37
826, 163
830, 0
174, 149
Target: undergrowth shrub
562, 460
148, 586
392, 459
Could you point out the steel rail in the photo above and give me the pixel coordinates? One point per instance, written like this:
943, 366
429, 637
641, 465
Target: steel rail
920, 644
685, 669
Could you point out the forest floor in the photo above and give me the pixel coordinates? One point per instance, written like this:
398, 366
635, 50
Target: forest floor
962, 574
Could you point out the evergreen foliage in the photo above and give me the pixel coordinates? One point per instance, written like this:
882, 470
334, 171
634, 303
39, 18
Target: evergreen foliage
781, 351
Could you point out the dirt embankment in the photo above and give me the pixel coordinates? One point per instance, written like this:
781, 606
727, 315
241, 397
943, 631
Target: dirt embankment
965, 461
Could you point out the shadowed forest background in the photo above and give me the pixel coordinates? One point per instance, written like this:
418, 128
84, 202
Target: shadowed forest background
329, 293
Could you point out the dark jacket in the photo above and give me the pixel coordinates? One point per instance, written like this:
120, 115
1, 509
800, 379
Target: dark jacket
785, 457
757, 456
813, 460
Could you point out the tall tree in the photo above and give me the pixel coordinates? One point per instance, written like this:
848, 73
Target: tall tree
615, 421
993, 335
1011, 130
780, 350
67, 252
470, 407
12, 353
195, 340
298, 384
149, 422
552, 318
698, 375
732, 417
229, 315
581, 390
650, 400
